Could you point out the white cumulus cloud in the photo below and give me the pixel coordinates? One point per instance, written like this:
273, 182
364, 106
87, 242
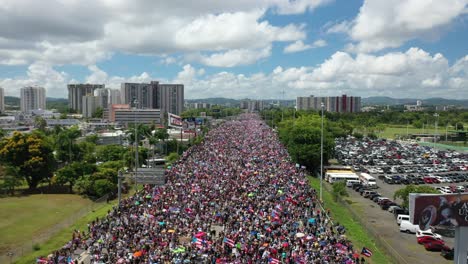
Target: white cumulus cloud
384, 24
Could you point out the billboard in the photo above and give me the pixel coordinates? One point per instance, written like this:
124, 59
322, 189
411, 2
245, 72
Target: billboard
174, 120
449, 210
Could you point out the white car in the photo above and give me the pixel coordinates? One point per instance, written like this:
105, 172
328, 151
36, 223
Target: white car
422, 233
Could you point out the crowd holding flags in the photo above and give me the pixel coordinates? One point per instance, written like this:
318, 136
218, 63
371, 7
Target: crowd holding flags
233, 198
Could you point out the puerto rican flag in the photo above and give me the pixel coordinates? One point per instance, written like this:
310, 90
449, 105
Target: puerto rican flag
230, 242
366, 252
274, 261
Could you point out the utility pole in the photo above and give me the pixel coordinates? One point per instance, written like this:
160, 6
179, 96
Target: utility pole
321, 156
119, 190
436, 115
136, 145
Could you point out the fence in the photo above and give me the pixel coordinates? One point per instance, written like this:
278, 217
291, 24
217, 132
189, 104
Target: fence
8, 256
379, 240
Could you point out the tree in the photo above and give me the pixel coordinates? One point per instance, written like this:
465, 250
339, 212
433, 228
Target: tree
40, 123
302, 138
98, 113
172, 157
403, 193
3, 133
11, 179
65, 147
72, 172
339, 190
31, 154
110, 153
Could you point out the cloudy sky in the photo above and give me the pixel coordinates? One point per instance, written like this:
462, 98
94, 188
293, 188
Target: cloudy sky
241, 48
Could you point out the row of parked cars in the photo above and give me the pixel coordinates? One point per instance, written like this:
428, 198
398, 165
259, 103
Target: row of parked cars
430, 240
428, 179
390, 157
385, 203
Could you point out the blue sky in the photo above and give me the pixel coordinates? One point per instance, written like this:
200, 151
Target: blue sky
240, 49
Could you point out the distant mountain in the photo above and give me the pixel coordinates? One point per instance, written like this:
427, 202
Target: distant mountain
51, 99
15, 101
11, 100
383, 100
216, 100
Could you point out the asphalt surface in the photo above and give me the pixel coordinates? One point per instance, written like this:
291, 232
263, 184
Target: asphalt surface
384, 223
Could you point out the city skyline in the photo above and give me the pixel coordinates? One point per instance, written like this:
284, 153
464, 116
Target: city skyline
242, 49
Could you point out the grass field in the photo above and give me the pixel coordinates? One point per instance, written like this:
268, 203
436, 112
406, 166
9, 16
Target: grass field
354, 230
391, 132
61, 238
22, 219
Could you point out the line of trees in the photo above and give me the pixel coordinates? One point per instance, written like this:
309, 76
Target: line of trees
61, 156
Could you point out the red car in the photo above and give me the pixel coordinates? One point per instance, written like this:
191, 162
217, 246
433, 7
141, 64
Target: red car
435, 180
428, 180
436, 246
428, 239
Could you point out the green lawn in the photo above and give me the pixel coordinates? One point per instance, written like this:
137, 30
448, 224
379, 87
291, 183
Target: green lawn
24, 218
354, 230
392, 131
61, 238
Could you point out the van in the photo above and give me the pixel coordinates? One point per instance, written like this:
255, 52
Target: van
367, 193
402, 218
408, 227
349, 183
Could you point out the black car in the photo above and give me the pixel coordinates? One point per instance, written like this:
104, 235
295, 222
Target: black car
374, 196
396, 179
447, 254
400, 211
406, 181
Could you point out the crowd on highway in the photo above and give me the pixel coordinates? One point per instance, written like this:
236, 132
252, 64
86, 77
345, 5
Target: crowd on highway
234, 198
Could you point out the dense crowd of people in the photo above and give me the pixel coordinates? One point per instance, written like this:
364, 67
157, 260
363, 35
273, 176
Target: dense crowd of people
234, 198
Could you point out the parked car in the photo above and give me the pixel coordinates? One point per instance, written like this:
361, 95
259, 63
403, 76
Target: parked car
367, 193
435, 246
393, 207
408, 227
423, 233
384, 205
401, 218
401, 211
427, 239
447, 253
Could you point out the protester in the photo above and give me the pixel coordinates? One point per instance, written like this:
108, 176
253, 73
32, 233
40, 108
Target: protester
234, 198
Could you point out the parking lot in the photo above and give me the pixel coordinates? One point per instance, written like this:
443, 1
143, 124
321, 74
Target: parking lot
394, 165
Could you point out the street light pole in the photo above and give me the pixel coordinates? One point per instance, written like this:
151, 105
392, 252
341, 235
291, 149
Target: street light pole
136, 145
321, 156
119, 190
436, 115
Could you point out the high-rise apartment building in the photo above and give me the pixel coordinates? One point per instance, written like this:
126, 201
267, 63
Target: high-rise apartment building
169, 98
252, 105
76, 93
143, 93
2, 100
102, 97
340, 104
114, 97
32, 98
90, 104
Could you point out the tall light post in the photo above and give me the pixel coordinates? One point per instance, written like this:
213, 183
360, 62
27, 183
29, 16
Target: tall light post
321, 155
136, 144
436, 115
